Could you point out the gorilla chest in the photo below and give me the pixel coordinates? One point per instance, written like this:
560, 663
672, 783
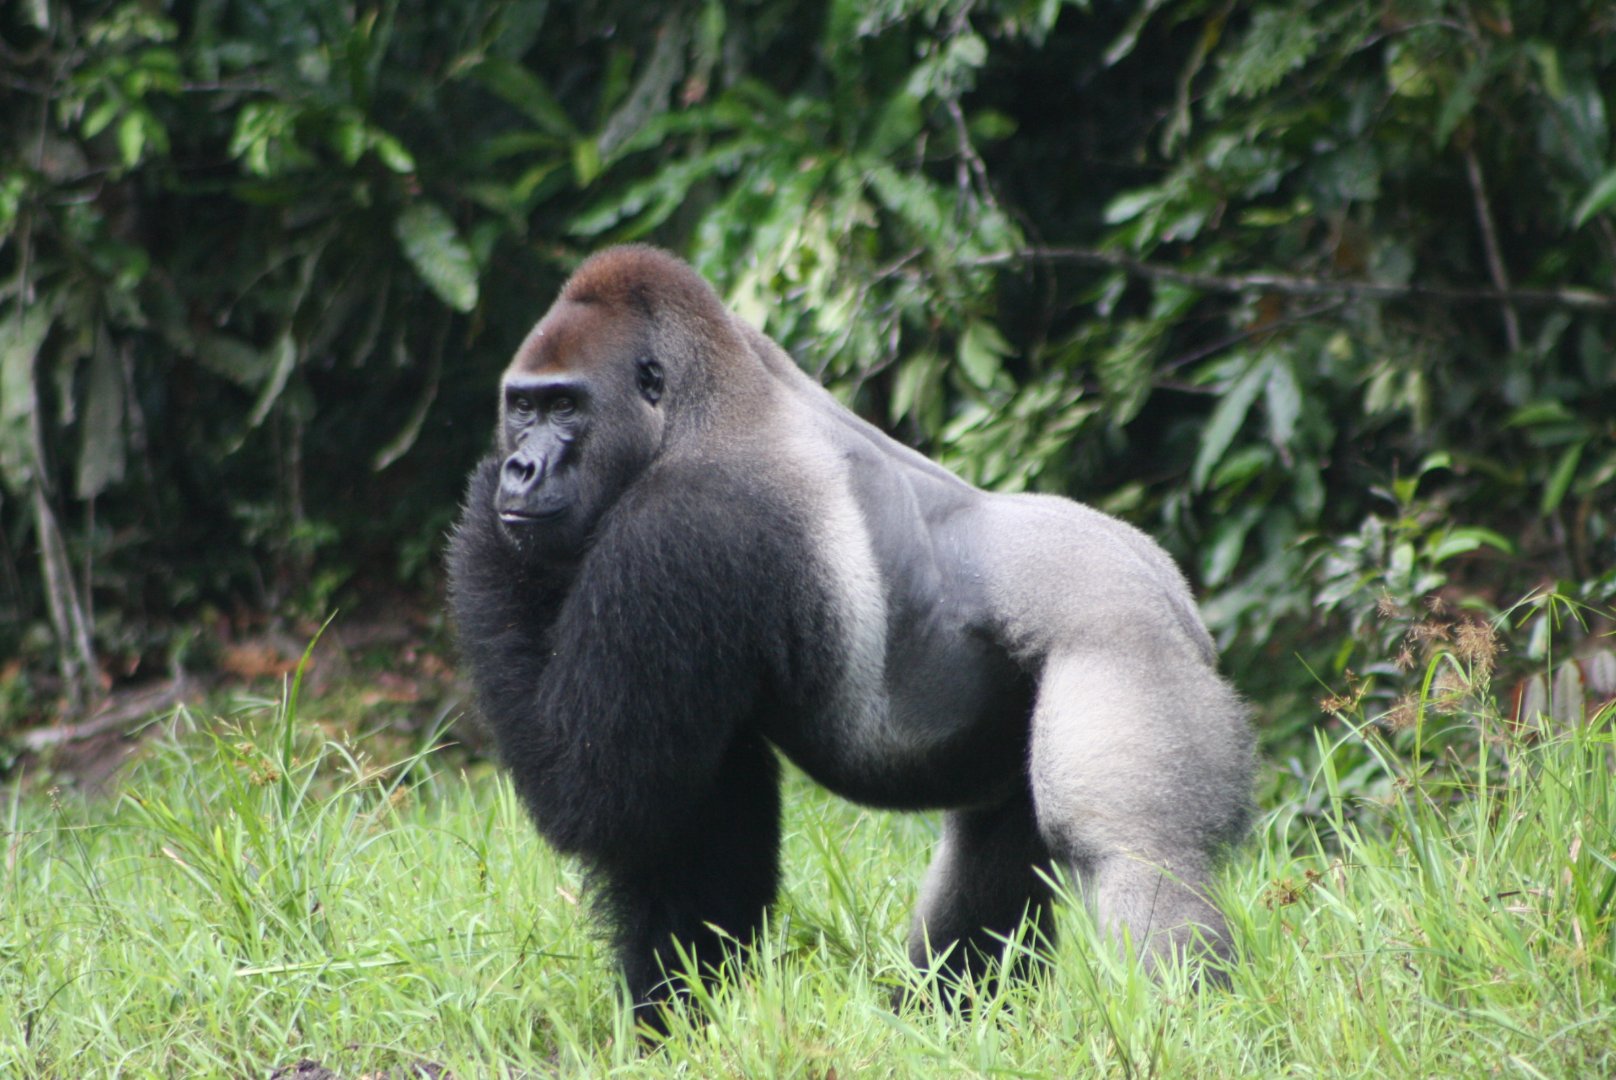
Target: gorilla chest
940, 720
908, 698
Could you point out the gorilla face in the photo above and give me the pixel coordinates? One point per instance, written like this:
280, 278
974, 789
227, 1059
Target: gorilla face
539, 478
580, 420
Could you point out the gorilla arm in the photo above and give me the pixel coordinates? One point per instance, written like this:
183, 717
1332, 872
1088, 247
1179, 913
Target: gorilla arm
615, 712
625, 699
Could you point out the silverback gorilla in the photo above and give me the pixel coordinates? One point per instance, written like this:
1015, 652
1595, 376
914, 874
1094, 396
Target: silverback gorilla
685, 554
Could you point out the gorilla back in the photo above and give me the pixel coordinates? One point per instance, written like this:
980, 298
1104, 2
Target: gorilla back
684, 552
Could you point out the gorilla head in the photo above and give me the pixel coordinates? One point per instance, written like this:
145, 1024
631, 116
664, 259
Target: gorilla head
632, 347
685, 557
581, 416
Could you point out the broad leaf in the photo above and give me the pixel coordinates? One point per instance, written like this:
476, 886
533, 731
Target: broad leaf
1228, 416
22, 332
981, 351
1599, 198
102, 449
438, 254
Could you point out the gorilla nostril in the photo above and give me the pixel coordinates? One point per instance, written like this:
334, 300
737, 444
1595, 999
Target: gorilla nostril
520, 471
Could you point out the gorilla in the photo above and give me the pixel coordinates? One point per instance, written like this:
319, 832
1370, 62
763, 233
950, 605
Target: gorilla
685, 555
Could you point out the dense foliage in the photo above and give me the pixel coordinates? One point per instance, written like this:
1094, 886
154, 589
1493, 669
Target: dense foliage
1320, 292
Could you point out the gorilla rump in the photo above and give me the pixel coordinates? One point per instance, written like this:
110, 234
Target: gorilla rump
685, 555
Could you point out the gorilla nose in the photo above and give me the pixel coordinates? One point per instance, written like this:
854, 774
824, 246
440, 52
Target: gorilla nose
521, 474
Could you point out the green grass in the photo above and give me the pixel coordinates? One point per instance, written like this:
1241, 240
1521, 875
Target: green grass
260, 893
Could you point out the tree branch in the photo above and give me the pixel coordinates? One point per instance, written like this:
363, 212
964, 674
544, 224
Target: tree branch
133, 710
1287, 284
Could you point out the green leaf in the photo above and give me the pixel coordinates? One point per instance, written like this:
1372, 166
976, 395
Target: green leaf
950, 71
981, 349
916, 378
922, 206
283, 361
391, 152
347, 136
232, 358
1283, 396
22, 332
1459, 102
102, 450
508, 144
99, 117
1461, 540
1440, 459
1308, 487
400, 444
1130, 205
265, 139
131, 137
656, 197
585, 161
1539, 413
1599, 198
897, 125
1227, 417
523, 89
438, 254
1602, 473
1124, 42
1565, 470
1277, 42
1127, 367
1452, 545
990, 125
1241, 465
1228, 542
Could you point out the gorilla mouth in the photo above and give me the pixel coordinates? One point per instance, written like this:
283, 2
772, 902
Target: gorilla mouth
530, 517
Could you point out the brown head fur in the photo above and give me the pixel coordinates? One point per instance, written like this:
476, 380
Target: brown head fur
637, 300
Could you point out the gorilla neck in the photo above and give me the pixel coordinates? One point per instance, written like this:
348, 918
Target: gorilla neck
543, 561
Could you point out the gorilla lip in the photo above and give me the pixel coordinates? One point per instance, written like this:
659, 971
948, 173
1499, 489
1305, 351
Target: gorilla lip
528, 517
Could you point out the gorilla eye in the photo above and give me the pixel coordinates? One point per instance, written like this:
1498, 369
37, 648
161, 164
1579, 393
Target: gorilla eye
649, 377
562, 407
521, 404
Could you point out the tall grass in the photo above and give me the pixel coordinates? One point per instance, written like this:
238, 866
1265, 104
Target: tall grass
262, 893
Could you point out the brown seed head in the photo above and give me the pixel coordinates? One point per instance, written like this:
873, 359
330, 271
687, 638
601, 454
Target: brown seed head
1477, 644
1448, 691
1403, 714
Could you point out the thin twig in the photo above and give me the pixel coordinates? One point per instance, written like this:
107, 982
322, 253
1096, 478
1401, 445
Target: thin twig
970, 161
1489, 243
1292, 285
1232, 340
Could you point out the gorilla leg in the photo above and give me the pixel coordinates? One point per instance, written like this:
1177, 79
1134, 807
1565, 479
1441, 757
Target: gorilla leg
1140, 772
721, 872
982, 882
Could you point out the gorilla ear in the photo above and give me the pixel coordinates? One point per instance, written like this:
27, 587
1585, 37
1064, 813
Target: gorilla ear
650, 379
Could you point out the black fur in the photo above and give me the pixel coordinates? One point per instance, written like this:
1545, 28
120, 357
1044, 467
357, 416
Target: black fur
630, 747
